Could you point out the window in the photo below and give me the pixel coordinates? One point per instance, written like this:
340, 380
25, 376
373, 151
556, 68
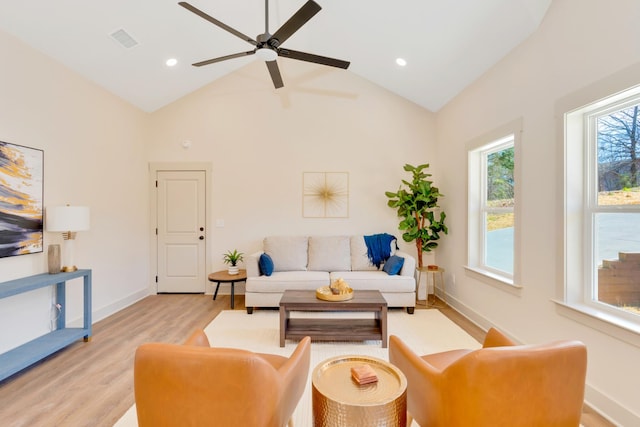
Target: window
612, 206
497, 207
602, 209
492, 204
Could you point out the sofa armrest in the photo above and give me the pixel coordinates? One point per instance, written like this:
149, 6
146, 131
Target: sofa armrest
251, 264
409, 266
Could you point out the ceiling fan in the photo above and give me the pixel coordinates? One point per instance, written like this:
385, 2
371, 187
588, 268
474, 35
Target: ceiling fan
267, 46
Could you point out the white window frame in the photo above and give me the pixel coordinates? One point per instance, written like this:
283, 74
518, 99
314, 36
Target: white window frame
579, 204
478, 150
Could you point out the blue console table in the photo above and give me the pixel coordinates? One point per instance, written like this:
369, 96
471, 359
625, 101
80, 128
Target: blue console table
27, 354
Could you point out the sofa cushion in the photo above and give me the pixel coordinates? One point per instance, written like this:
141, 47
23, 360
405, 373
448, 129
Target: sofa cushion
266, 264
289, 253
358, 280
280, 281
393, 265
329, 253
359, 259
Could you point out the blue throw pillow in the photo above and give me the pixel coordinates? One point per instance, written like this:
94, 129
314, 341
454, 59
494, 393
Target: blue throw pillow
393, 265
265, 264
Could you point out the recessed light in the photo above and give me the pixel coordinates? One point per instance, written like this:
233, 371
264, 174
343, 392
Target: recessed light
171, 62
401, 62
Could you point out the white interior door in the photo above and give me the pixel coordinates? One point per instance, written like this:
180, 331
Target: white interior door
181, 202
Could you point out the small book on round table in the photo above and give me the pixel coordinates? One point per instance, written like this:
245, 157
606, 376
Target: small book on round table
364, 374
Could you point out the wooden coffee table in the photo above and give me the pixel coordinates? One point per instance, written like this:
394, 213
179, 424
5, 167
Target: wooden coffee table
326, 329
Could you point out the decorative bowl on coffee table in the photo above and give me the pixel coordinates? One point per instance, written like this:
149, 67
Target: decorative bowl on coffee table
324, 293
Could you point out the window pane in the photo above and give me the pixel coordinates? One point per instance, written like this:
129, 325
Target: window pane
499, 223
618, 260
619, 157
499, 241
500, 178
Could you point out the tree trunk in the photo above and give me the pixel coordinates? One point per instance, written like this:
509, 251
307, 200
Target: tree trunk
419, 249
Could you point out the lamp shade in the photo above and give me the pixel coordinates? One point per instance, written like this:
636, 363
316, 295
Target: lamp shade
67, 218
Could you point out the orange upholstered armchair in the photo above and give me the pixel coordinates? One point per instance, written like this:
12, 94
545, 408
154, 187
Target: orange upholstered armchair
501, 384
196, 385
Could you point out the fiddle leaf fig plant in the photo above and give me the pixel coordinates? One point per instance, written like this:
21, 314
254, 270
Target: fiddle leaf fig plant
416, 203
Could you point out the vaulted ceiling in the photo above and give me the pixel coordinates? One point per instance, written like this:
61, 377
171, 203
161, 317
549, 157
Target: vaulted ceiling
446, 44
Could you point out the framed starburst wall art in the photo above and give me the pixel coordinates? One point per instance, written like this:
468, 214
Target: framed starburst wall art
325, 194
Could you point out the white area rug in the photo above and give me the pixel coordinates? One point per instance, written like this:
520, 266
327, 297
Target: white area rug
426, 331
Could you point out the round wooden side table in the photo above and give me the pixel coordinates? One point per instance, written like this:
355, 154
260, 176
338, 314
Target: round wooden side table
223, 276
339, 401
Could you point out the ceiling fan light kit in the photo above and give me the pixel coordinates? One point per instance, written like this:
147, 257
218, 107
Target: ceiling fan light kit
266, 54
267, 46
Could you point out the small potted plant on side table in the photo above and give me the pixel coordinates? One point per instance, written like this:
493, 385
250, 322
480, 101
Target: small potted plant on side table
232, 259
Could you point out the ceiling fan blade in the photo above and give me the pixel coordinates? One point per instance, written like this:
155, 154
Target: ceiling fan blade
308, 57
306, 12
272, 66
223, 58
218, 23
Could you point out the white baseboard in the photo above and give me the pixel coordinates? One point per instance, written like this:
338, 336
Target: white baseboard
112, 308
604, 405
119, 305
598, 401
470, 314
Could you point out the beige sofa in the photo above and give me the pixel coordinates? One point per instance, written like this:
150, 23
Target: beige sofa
309, 262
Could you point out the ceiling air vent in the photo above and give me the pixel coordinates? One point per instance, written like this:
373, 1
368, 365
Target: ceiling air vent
124, 38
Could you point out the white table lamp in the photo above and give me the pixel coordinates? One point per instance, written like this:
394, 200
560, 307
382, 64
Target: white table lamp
68, 220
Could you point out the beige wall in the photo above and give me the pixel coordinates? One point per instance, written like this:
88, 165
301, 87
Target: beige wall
578, 43
260, 141
94, 155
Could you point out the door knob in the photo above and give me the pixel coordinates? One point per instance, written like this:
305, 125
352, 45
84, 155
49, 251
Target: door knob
201, 228
201, 237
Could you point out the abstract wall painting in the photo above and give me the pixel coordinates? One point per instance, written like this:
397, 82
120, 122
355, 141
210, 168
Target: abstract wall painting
325, 195
21, 194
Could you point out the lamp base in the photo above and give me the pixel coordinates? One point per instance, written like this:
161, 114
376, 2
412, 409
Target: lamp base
67, 269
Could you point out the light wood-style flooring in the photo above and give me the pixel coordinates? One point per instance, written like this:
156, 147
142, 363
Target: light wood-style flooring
91, 384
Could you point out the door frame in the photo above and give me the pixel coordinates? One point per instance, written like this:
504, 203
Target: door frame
154, 168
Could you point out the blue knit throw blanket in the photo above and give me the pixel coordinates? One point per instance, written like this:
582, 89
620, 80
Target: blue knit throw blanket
379, 247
